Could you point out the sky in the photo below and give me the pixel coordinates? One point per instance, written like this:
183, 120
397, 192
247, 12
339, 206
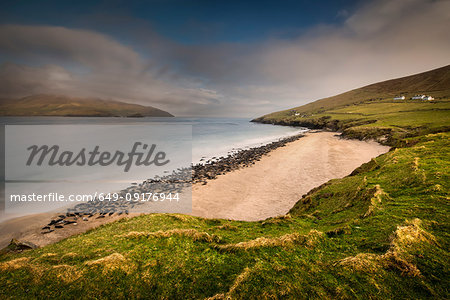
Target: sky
216, 58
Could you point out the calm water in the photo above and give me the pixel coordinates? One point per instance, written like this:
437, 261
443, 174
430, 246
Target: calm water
210, 136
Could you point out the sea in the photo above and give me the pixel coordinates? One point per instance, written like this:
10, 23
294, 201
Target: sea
211, 137
201, 139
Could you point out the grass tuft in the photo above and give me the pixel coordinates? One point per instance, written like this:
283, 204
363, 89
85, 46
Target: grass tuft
194, 234
14, 264
284, 241
112, 263
405, 240
66, 273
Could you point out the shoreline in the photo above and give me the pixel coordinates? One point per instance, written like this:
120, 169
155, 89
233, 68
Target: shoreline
203, 172
218, 186
40, 228
276, 181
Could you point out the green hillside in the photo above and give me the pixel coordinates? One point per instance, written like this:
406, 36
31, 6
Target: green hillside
371, 111
56, 105
380, 233
435, 83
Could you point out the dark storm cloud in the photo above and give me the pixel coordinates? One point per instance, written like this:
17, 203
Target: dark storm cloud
381, 40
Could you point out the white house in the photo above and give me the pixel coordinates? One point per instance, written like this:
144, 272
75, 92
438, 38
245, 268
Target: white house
297, 114
399, 98
422, 97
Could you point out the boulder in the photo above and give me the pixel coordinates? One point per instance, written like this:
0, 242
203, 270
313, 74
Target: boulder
18, 246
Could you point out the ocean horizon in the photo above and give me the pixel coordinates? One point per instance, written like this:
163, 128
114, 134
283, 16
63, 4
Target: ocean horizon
211, 137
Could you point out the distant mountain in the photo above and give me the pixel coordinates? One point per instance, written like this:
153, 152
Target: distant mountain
57, 105
435, 83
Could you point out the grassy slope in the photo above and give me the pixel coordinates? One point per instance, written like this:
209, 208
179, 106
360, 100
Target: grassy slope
435, 82
54, 105
371, 112
382, 232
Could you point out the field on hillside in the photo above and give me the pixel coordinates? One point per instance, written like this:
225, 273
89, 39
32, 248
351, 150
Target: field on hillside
370, 112
386, 120
435, 83
431, 115
382, 232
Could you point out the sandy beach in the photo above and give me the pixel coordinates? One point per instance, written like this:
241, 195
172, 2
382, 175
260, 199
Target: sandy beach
268, 188
275, 183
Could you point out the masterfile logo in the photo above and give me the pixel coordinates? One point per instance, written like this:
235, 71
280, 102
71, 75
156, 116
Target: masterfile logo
121, 165
53, 156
